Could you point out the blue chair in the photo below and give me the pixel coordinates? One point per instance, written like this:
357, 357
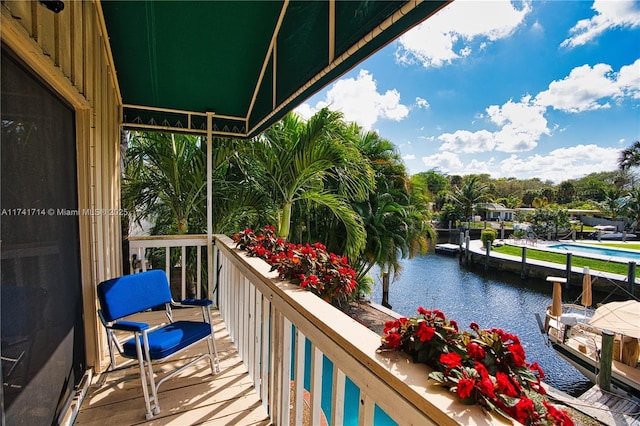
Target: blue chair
131, 294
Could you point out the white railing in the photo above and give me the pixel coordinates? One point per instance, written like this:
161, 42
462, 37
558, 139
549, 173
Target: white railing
139, 259
300, 350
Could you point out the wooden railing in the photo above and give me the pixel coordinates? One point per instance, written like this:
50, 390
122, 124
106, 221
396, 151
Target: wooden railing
302, 352
139, 257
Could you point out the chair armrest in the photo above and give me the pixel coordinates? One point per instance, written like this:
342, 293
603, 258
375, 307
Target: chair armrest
129, 326
196, 302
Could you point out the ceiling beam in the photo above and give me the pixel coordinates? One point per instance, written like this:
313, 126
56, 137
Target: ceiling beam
265, 63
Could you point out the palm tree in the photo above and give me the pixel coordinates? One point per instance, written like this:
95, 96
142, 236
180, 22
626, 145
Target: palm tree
164, 182
612, 204
164, 172
630, 157
470, 192
296, 159
632, 207
395, 214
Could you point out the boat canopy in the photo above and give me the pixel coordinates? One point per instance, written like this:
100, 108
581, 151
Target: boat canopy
618, 317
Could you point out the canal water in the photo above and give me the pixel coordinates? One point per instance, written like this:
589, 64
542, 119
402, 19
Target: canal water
492, 299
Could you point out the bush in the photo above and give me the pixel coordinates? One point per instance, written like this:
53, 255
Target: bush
488, 235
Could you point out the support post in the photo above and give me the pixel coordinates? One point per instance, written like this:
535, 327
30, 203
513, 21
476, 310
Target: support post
211, 276
460, 242
487, 254
523, 265
569, 261
606, 359
467, 253
631, 278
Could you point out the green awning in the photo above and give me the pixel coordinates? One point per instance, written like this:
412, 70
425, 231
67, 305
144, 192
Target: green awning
248, 62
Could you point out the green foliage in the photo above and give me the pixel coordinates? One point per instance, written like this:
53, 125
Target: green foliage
470, 192
488, 235
451, 213
549, 220
630, 157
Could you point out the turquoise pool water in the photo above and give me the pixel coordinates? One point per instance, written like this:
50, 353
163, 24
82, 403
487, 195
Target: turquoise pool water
602, 251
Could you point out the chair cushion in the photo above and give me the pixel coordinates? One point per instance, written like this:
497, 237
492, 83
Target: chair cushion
130, 294
170, 339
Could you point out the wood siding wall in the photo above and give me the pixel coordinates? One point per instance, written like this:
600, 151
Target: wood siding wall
68, 51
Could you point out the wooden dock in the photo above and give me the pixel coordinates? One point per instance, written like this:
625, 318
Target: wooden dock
611, 408
450, 249
608, 408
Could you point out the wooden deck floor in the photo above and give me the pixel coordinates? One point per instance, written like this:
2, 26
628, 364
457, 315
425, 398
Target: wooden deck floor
194, 397
611, 409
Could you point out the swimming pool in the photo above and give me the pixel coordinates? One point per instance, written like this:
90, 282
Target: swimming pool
601, 251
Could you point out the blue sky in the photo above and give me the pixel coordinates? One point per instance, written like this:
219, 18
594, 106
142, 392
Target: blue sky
547, 89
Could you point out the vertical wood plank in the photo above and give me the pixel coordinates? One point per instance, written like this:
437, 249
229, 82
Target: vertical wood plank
64, 38
199, 271
299, 376
337, 397
251, 331
76, 42
183, 277
264, 358
285, 393
316, 384
22, 10
366, 410
274, 376
45, 31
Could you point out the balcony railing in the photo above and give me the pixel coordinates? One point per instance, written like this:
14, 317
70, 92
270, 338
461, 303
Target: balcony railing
300, 350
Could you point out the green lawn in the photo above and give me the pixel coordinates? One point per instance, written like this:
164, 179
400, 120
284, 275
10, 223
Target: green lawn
628, 246
578, 261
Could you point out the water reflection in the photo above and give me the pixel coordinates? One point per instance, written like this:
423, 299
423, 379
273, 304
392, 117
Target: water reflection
495, 299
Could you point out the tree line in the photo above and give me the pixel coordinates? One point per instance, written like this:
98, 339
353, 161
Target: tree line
323, 180
615, 193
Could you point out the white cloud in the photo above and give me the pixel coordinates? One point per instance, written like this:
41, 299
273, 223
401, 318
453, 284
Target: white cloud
448, 35
590, 88
522, 124
359, 100
306, 111
467, 142
448, 162
409, 157
608, 15
629, 80
422, 103
561, 164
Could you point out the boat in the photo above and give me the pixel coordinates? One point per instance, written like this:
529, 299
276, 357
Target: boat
575, 333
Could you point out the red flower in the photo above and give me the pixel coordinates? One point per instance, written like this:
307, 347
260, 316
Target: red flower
536, 368
524, 409
475, 351
392, 340
481, 369
517, 351
465, 386
425, 332
388, 326
504, 385
474, 326
451, 360
486, 387
423, 311
559, 417
439, 314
